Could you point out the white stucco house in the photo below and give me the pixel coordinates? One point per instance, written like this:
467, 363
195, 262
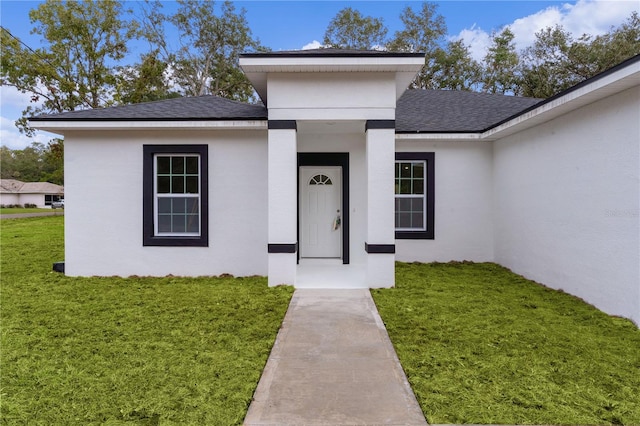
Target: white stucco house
40, 194
343, 171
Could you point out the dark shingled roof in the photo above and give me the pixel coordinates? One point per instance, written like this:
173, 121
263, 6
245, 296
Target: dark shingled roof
418, 111
177, 109
442, 111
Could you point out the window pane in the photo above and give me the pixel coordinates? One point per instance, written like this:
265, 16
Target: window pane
192, 185
179, 205
164, 223
192, 165
418, 170
417, 220
405, 186
404, 220
164, 205
397, 220
177, 165
405, 204
177, 185
163, 165
417, 204
405, 170
192, 205
178, 223
397, 170
418, 186
164, 185
193, 223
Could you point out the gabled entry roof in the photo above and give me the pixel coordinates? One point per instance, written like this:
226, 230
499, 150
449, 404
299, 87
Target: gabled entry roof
258, 66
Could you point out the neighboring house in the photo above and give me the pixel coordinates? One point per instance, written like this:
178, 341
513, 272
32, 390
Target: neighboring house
344, 172
40, 194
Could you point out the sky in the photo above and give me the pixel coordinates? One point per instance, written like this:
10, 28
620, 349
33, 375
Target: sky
289, 25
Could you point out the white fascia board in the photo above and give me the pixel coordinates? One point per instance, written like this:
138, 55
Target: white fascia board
59, 126
599, 89
331, 64
438, 136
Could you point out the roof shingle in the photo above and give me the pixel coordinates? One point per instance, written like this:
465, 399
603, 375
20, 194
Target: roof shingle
417, 111
205, 107
445, 111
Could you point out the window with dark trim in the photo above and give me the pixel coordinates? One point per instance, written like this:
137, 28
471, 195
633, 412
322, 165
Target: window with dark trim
175, 206
414, 188
48, 199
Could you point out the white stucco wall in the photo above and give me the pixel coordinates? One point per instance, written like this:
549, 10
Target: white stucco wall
22, 199
463, 203
103, 195
7, 199
567, 203
332, 96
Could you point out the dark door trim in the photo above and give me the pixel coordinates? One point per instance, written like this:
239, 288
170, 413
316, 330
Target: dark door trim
340, 159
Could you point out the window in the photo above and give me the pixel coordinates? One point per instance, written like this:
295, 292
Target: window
175, 195
320, 180
48, 199
414, 188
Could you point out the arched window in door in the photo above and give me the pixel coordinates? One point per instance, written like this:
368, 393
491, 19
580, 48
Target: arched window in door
320, 180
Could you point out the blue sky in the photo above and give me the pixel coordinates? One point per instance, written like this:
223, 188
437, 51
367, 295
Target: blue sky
287, 25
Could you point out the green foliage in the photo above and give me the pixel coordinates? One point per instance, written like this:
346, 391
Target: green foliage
73, 68
423, 32
146, 81
556, 61
455, 69
482, 345
36, 163
206, 61
118, 350
350, 30
500, 64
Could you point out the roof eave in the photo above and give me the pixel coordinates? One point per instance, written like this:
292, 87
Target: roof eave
617, 79
61, 126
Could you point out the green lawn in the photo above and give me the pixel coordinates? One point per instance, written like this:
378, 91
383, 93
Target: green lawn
480, 344
13, 210
135, 351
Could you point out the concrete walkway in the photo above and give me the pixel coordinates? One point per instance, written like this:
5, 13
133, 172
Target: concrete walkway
333, 364
21, 215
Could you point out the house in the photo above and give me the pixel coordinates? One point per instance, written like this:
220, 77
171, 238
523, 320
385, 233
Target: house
345, 172
40, 194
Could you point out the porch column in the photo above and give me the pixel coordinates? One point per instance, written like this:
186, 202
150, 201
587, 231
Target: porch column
380, 240
282, 196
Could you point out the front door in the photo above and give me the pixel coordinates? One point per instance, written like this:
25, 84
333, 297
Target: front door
320, 212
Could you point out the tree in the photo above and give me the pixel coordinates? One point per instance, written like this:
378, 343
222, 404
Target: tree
35, 163
501, 61
455, 69
350, 30
146, 81
423, 33
75, 67
544, 70
556, 61
206, 61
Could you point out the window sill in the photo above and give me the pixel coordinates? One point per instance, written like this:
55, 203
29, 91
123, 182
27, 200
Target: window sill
414, 235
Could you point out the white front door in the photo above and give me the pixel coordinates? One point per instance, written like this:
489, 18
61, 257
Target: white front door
320, 212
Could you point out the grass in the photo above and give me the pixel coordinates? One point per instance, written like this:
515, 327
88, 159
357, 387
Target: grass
13, 210
480, 344
126, 351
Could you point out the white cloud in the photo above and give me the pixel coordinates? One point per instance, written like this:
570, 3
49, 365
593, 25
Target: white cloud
315, 44
10, 136
477, 39
593, 17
